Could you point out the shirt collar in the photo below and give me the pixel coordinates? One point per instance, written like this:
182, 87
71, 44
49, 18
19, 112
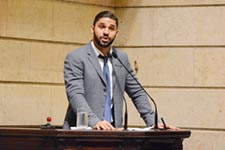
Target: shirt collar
97, 51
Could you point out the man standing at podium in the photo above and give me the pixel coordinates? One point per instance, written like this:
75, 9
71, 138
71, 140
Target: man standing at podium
96, 81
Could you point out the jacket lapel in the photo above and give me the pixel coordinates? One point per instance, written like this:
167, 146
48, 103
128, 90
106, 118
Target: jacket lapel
94, 60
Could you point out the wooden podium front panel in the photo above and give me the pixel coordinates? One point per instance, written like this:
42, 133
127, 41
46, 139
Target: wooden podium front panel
125, 140
26, 143
58, 139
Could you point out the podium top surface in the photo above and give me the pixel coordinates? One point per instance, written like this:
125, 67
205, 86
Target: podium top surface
38, 132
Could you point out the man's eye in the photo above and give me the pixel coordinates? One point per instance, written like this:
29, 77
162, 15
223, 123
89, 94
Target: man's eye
101, 26
112, 28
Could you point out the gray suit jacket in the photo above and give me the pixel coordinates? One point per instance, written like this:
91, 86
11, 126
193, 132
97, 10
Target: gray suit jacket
86, 87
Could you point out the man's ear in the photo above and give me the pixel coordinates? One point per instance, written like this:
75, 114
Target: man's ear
117, 32
92, 28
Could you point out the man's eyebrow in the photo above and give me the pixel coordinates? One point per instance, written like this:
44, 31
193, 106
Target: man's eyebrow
102, 23
105, 23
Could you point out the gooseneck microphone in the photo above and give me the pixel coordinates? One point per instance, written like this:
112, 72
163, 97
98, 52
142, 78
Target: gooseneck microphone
114, 54
125, 102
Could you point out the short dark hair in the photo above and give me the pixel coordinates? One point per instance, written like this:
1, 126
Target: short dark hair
105, 14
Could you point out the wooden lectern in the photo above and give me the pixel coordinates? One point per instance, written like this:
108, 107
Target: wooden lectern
14, 138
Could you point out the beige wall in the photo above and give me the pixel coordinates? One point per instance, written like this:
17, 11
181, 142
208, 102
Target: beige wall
178, 46
180, 53
35, 36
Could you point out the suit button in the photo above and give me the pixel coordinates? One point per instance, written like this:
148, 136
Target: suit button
104, 89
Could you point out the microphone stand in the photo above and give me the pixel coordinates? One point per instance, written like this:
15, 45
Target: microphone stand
156, 112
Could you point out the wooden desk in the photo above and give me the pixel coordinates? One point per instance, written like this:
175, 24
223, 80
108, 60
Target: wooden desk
12, 138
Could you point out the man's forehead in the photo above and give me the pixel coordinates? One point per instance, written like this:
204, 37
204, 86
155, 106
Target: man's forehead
107, 20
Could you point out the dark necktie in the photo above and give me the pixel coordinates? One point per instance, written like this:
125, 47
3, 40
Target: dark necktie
106, 73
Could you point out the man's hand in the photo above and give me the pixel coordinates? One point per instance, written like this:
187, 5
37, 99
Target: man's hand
103, 125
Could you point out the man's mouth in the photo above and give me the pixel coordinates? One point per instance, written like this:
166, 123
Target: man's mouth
105, 39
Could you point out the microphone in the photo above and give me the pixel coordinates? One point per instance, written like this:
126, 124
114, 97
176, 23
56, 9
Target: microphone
125, 102
114, 54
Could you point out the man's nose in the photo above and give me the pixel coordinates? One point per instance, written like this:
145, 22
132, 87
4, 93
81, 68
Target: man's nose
106, 31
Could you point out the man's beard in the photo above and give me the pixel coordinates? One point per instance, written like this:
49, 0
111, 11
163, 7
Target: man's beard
102, 44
